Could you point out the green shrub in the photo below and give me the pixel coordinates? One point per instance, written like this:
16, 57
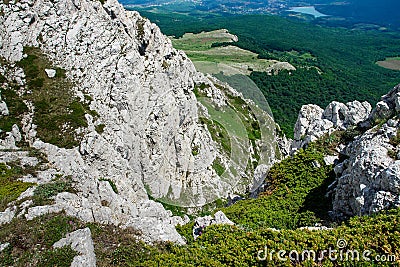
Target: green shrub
33, 152
349, 134
140, 28
10, 187
294, 197
219, 245
29, 63
44, 192
395, 140
58, 113
195, 150
226, 245
186, 231
392, 153
6, 258
60, 257
2, 79
115, 246
217, 166
31, 241
60, 73
36, 83
100, 128
77, 116
199, 90
42, 106
218, 133
16, 108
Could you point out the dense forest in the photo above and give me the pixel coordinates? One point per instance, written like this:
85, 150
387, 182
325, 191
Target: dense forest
332, 63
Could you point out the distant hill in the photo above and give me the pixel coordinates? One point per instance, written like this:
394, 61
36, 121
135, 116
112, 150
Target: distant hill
383, 12
341, 13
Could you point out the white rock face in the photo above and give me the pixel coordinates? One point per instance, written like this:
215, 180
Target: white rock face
344, 115
142, 90
96, 201
81, 242
149, 112
313, 122
310, 125
369, 180
330, 160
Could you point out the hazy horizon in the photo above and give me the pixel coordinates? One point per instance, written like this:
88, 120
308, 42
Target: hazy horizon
382, 12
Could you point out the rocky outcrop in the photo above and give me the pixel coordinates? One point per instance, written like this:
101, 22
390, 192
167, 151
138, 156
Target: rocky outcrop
368, 173
368, 181
9, 142
386, 108
3, 108
81, 242
7, 215
313, 122
117, 58
202, 222
309, 125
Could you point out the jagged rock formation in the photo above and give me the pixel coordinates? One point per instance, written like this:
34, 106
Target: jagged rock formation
367, 180
313, 122
140, 134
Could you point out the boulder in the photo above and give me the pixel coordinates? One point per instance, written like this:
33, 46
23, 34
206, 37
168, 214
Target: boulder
3, 109
81, 242
50, 73
202, 222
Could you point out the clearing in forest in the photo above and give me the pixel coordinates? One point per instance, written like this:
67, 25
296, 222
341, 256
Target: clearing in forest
392, 63
229, 59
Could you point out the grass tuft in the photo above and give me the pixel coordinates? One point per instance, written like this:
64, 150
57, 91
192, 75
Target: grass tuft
44, 192
58, 114
10, 187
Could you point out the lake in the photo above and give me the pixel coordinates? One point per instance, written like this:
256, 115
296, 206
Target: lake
310, 10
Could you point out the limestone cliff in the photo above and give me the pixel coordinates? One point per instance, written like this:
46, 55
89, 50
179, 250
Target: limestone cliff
108, 100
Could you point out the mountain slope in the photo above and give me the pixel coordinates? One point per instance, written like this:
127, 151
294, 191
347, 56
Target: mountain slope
106, 105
